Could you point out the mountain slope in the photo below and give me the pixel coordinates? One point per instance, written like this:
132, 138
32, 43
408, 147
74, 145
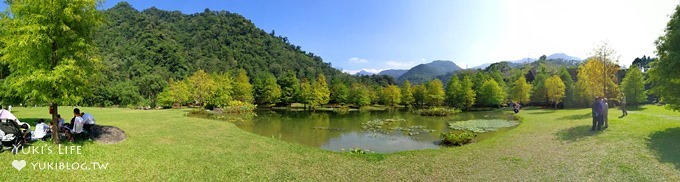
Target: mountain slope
429, 71
142, 50
394, 73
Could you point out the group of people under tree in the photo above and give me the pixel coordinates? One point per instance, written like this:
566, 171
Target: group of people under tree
80, 126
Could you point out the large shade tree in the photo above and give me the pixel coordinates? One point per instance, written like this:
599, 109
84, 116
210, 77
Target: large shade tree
664, 74
48, 48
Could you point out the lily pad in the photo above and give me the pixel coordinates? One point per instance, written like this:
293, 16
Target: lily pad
482, 125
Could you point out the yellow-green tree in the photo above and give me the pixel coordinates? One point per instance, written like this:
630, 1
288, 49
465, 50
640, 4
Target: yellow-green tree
521, 90
321, 92
406, 94
307, 94
391, 95
592, 78
243, 90
201, 87
222, 94
555, 89
435, 93
177, 92
48, 48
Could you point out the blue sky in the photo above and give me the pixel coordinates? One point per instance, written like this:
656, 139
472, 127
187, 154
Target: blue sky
383, 34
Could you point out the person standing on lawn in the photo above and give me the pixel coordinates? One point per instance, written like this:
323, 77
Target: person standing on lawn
597, 114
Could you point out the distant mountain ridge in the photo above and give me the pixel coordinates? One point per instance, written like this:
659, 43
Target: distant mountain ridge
520, 62
394, 73
425, 72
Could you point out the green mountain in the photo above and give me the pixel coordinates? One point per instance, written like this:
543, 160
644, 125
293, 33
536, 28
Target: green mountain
394, 73
142, 50
429, 71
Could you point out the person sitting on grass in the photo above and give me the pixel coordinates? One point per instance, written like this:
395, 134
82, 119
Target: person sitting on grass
89, 122
41, 131
77, 125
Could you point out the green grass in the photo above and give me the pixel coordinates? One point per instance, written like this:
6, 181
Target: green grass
548, 145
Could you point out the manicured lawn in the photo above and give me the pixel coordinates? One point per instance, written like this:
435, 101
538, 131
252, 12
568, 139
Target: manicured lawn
548, 145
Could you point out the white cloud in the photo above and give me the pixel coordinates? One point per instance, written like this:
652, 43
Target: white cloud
357, 60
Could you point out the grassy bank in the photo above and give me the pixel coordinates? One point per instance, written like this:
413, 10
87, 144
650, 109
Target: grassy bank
549, 145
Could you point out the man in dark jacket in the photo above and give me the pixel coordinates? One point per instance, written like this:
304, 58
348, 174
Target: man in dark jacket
597, 114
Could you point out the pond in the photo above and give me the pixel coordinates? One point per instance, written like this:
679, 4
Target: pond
402, 130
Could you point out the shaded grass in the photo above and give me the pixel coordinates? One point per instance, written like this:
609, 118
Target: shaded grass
665, 144
549, 145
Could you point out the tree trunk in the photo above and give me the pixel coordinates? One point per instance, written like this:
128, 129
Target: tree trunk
55, 123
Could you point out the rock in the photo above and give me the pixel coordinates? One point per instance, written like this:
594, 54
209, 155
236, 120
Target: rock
108, 134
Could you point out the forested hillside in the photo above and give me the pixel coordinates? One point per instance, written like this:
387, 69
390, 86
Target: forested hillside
142, 50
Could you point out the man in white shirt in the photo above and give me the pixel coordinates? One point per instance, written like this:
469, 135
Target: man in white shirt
78, 123
89, 122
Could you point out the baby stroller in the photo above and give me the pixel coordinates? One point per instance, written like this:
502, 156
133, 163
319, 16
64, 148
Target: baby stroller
11, 131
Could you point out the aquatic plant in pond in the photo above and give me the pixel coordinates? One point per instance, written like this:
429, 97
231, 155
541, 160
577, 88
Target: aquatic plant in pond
379, 124
482, 125
458, 137
385, 126
437, 111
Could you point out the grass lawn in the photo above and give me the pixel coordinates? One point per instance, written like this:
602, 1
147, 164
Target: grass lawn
548, 145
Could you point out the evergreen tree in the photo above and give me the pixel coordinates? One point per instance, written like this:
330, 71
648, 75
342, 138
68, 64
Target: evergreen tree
538, 94
453, 89
664, 74
339, 92
360, 95
570, 97
633, 86
266, 89
468, 95
491, 93
419, 95
290, 88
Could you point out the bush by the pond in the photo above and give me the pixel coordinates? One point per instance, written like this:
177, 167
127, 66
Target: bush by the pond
458, 137
357, 150
437, 111
232, 117
482, 125
236, 106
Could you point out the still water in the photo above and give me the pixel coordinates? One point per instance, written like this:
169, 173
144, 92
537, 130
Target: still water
336, 131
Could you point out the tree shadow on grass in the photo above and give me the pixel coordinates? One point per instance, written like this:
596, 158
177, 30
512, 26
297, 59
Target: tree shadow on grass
576, 116
667, 145
576, 133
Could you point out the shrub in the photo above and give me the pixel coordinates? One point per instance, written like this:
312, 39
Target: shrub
236, 106
457, 137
